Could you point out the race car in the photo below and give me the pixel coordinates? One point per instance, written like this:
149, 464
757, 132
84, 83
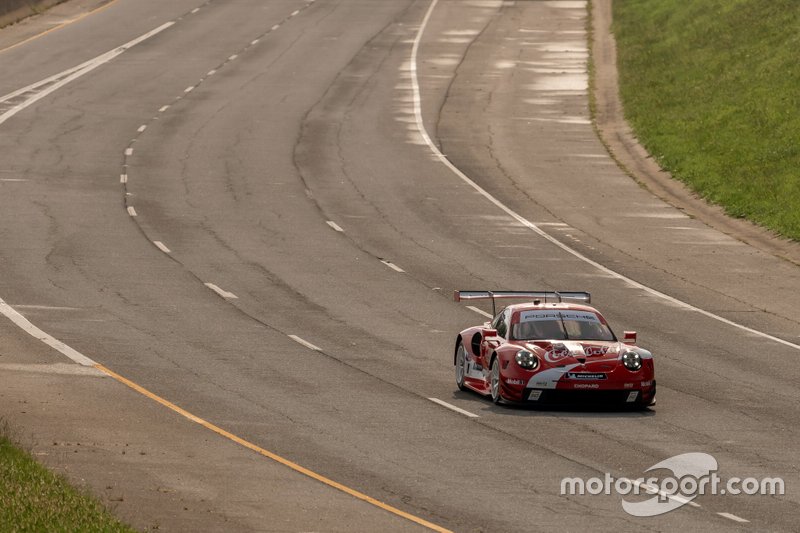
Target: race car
553, 349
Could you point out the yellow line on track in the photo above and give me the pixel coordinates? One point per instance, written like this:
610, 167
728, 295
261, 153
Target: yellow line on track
67, 23
266, 453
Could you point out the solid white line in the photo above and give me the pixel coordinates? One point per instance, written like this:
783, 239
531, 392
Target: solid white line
453, 408
392, 266
533, 227
12, 179
479, 311
305, 343
734, 517
23, 323
142, 128
73, 73
334, 225
161, 246
131, 211
223, 293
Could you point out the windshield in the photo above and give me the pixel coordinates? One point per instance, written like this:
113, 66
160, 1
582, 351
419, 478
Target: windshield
561, 325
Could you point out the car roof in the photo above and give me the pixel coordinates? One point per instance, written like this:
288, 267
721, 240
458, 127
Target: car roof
530, 306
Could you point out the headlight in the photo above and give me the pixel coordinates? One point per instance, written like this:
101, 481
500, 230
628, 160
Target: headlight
527, 360
632, 360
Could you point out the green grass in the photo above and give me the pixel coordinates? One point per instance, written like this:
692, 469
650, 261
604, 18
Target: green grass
712, 90
34, 499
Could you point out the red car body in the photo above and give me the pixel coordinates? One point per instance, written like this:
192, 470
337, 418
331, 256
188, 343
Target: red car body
552, 350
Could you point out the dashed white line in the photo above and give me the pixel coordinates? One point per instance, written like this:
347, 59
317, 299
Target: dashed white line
305, 343
163, 108
295, 13
189, 89
234, 56
453, 408
334, 225
123, 178
221, 292
275, 27
211, 72
128, 151
392, 266
479, 311
195, 10
161, 246
142, 128
734, 517
132, 211
254, 42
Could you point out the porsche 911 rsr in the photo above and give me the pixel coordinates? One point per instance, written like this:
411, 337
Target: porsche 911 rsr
554, 349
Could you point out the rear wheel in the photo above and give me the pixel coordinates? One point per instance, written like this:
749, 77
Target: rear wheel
494, 383
461, 367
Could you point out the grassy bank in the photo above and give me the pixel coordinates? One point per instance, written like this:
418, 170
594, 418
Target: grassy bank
712, 90
34, 499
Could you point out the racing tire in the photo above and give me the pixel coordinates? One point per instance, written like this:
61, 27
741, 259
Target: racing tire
494, 381
461, 367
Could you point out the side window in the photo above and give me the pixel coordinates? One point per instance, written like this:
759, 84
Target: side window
498, 320
502, 323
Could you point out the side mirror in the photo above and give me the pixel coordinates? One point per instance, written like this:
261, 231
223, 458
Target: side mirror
629, 337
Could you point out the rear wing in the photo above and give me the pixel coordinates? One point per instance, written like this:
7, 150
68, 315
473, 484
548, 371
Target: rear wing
556, 296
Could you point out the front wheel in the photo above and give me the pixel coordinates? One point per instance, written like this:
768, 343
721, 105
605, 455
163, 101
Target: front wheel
494, 384
461, 367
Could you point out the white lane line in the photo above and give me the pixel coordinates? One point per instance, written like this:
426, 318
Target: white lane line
295, 13
234, 56
123, 178
221, 292
23, 323
211, 72
479, 311
334, 225
254, 42
437, 154
72, 74
453, 408
163, 108
734, 517
66, 369
132, 211
305, 343
275, 27
142, 128
12, 179
392, 266
189, 89
128, 151
161, 246
195, 10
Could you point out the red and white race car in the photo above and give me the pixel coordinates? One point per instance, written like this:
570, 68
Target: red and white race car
554, 349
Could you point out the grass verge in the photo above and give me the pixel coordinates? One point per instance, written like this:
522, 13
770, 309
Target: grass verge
712, 90
34, 499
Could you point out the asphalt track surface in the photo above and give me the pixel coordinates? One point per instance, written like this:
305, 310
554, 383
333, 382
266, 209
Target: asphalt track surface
241, 215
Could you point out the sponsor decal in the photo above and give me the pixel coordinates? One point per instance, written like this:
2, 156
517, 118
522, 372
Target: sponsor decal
648, 383
586, 386
538, 315
535, 395
595, 350
515, 381
586, 375
556, 353
628, 385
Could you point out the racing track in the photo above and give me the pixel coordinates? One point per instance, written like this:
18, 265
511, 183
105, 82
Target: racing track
243, 215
